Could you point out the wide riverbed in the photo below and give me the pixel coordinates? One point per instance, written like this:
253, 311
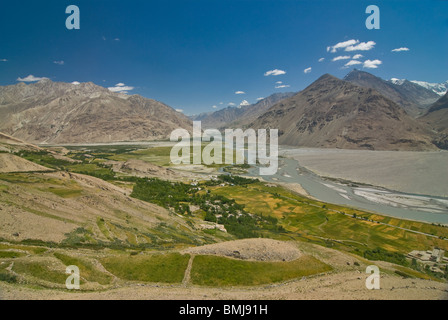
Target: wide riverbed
420, 207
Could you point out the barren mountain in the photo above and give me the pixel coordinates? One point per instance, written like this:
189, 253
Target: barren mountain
338, 114
240, 116
57, 112
220, 118
253, 111
414, 98
437, 119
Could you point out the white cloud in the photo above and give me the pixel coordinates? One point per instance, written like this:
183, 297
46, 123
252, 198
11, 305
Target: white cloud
357, 56
76, 82
352, 63
261, 98
372, 64
307, 70
321, 59
341, 45
240, 92
341, 58
244, 103
363, 46
282, 86
117, 39
221, 103
275, 72
231, 104
31, 78
400, 49
180, 110
214, 107
121, 87
3, 60
61, 62
279, 82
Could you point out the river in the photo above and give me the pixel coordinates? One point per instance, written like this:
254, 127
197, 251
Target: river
387, 202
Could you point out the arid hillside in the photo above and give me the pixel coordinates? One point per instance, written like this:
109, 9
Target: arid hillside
57, 112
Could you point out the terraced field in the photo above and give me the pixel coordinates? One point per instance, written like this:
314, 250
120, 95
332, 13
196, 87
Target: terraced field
335, 226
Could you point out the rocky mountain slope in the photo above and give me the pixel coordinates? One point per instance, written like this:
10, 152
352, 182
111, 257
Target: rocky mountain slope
437, 119
414, 98
338, 114
57, 112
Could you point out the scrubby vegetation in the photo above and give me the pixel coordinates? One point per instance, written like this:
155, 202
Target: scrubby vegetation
8, 277
383, 255
83, 166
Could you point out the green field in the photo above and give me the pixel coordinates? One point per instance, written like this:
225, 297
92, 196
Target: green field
160, 156
86, 269
40, 271
219, 271
166, 268
10, 254
309, 220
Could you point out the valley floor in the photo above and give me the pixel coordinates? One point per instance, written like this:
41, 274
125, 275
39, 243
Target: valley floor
88, 206
423, 173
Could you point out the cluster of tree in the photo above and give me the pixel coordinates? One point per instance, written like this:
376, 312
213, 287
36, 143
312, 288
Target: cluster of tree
384, 255
164, 193
179, 196
44, 158
230, 179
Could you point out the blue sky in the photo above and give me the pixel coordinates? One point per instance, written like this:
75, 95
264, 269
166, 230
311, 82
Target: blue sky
194, 55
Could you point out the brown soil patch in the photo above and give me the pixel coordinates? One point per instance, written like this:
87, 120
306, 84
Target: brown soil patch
251, 249
12, 163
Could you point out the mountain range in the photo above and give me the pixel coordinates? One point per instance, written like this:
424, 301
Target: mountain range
239, 116
439, 88
361, 111
412, 97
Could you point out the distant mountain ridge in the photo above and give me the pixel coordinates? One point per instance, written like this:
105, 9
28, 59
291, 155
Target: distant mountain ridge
413, 98
57, 112
339, 114
239, 116
439, 88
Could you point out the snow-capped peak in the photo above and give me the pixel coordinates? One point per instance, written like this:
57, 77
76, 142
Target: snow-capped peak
397, 81
439, 88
